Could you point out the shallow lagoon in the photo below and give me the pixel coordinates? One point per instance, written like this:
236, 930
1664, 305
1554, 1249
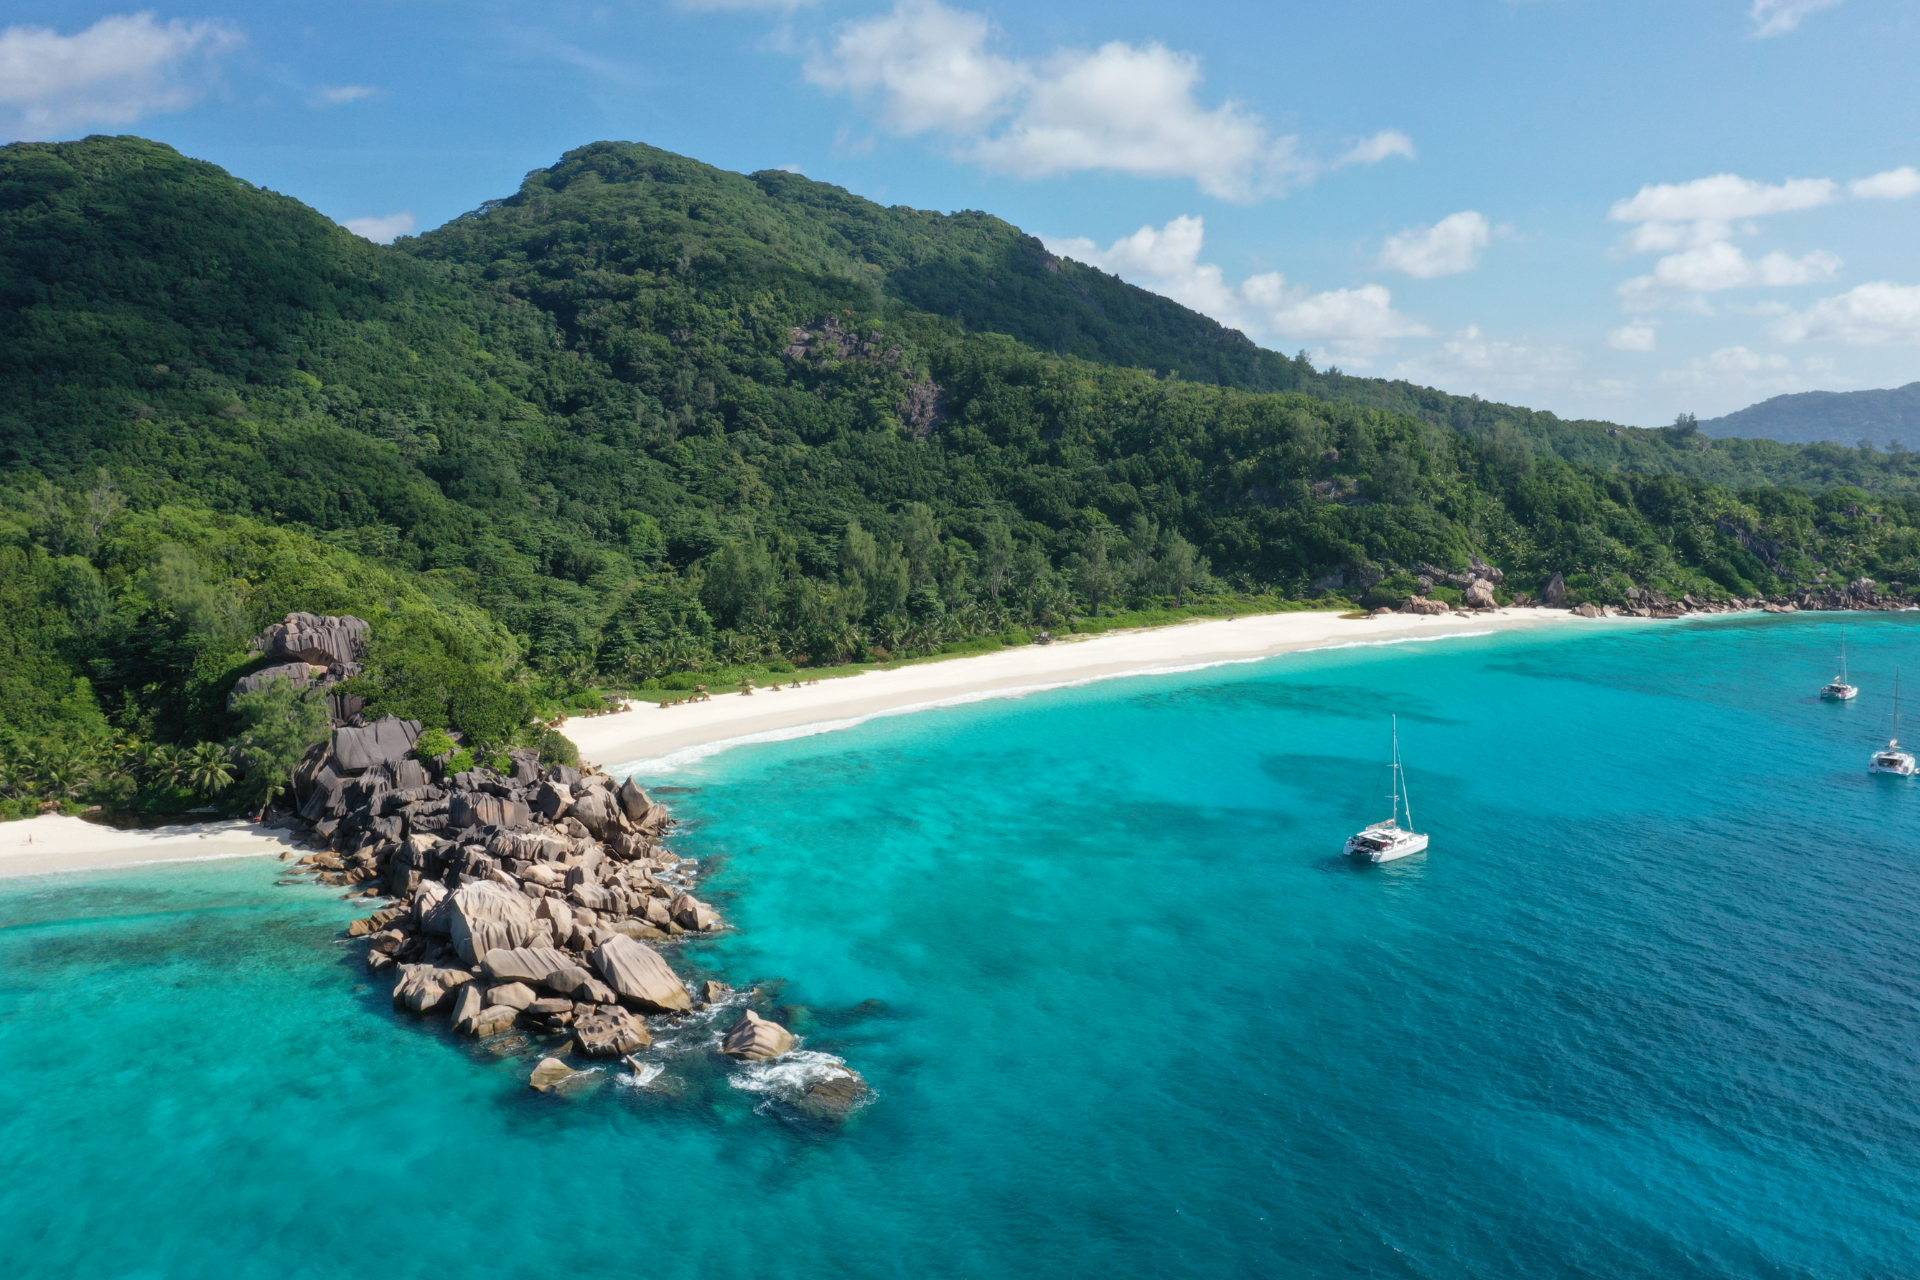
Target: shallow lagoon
1650, 1007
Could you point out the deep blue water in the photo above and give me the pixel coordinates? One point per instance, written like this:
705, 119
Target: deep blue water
1649, 1008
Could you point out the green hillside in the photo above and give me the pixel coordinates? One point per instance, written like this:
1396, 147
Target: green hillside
1888, 418
644, 417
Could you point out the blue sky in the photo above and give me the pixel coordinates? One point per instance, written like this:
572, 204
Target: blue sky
1621, 210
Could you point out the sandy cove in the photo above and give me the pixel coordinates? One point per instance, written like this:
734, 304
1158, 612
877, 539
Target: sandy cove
646, 734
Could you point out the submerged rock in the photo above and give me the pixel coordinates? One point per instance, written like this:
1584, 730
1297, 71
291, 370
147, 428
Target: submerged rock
549, 1074
492, 1020
833, 1099
754, 1037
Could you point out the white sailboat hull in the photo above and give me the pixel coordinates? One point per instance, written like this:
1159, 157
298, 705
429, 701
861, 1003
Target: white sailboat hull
1379, 844
1837, 692
1898, 763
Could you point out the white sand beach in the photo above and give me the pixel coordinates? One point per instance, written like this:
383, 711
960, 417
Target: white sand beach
647, 738
55, 843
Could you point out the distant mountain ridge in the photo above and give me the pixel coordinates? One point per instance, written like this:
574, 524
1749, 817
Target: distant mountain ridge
1885, 417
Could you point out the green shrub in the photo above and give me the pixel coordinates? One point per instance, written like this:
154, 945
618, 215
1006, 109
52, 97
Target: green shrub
558, 748
435, 744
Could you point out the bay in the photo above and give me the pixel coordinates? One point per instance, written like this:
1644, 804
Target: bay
1648, 1008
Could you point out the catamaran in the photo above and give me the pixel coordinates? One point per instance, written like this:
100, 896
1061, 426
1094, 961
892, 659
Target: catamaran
1840, 690
1386, 840
1893, 759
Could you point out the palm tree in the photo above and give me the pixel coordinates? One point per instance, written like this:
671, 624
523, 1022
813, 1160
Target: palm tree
163, 765
209, 769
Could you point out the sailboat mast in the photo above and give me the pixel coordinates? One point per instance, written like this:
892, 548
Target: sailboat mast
1401, 796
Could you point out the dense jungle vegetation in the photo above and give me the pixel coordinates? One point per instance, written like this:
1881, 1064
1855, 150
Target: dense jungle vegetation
645, 422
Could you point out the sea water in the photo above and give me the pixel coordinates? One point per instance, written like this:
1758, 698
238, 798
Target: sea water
1650, 1006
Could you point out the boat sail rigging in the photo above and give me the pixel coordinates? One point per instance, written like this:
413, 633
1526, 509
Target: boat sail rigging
1892, 759
1386, 840
1840, 690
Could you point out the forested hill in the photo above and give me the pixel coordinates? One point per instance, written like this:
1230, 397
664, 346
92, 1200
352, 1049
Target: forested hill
1887, 419
988, 276
644, 417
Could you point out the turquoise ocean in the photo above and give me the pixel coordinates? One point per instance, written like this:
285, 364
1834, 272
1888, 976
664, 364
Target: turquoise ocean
1649, 1008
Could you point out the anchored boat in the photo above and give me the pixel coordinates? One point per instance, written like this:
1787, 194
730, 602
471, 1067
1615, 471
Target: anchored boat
1893, 759
1386, 840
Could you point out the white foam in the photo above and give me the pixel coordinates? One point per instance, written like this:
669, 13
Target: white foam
790, 1075
647, 1073
674, 761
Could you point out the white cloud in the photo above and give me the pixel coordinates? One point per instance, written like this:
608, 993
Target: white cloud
1357, 324
338, 95
1725, 266
1632, 337
116, 71
1472, 360
928, 65
1446, 248
1894, 184
1721, 198
1737, 374
382, 230
1381, 146
1866, 315
1124, 108
1777, 17
775, 6
1133, 110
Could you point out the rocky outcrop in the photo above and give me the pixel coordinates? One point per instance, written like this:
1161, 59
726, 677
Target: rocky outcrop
692, 914
315, 639
490, 1021
511, 995
386, 741
1553, 593
1479, 595
487, 916
1420, 604
308, 649
423, 987
754, 1037
639, 976
634, 802
522, 901
529, 965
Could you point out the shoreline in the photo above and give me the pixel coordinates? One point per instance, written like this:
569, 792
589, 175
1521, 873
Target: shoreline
645, 739
55, 844
649, 739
